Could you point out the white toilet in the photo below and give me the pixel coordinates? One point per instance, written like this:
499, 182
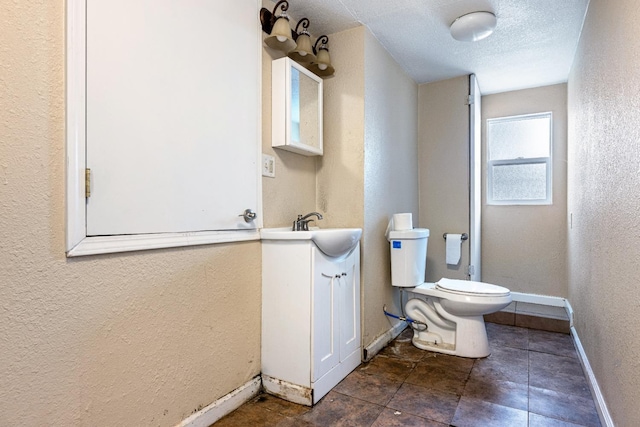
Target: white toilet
448, 313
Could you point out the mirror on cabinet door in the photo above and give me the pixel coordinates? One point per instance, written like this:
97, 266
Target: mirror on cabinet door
296, 108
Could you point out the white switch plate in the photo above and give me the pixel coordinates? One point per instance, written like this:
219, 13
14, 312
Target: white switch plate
268, 166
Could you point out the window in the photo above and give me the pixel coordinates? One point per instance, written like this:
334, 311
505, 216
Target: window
519, 160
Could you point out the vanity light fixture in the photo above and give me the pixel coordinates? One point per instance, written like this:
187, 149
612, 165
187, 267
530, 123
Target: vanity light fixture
303, 53
280, 35
297, 45
322, 65
473, 26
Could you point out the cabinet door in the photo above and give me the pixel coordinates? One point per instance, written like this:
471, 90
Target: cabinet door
325, 348
172, 135
296, 108
349, 304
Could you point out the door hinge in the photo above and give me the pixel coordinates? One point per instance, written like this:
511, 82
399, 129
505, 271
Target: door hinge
87, 183
471, 99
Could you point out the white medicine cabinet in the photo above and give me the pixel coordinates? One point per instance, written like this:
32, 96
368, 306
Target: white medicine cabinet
296, 101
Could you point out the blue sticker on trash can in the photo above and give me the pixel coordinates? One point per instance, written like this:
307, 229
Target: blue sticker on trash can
397, 244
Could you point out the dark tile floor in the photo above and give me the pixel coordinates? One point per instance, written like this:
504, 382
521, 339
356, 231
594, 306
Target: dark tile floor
534, 316
532, 378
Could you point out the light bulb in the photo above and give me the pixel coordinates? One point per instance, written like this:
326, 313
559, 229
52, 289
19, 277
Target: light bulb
281, 39
322, 66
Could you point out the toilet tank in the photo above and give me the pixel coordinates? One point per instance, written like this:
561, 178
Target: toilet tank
408, 256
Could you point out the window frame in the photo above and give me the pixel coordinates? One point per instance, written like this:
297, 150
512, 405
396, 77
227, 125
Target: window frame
520, 161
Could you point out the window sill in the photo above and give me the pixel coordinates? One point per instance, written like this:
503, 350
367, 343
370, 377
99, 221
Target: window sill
520, 203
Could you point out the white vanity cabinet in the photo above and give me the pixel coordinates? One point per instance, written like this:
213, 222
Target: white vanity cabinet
310, 319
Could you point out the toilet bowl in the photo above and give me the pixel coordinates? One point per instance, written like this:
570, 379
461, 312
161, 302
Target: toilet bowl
447, 315
452, 311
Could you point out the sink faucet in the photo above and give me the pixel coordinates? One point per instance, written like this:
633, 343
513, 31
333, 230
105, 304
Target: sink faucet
302, 223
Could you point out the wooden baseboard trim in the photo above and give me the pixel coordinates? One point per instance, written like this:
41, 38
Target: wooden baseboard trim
223, 406
598, 398
288, 391
538, 299
379, 343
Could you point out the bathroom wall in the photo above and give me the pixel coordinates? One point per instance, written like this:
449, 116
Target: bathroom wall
444, 171
604, 200
390, 175
340, 175
293, 190
524, 247
140, 338
369, 169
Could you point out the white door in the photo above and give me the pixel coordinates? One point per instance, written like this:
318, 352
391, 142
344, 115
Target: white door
325, 348
173, 115
475, 182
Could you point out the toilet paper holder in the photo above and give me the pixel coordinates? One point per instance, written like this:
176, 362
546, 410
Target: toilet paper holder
465, 236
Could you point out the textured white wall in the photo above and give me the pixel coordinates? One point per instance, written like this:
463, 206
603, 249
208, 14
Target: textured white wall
126, 339
604, 200
340, 178
390, 175
524, 247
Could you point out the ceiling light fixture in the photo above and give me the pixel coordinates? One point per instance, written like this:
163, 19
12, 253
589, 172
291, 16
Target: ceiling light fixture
473, 26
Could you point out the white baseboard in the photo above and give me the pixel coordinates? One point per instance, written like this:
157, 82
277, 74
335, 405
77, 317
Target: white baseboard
223, 406
569, 309
538, 299
384, 339
601, 405
545, 300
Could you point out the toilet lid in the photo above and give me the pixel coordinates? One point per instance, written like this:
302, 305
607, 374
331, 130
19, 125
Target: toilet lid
471, 287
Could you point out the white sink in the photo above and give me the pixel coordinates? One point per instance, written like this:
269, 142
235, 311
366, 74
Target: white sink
333, 242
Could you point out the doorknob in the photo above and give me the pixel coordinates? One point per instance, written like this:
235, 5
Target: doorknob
248, 215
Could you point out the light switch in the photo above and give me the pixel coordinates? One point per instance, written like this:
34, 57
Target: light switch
268, 166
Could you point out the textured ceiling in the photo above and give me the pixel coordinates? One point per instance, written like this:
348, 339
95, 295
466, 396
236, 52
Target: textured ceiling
533, 44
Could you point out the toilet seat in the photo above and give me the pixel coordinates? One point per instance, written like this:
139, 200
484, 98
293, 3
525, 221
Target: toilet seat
470, 287
461, 289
